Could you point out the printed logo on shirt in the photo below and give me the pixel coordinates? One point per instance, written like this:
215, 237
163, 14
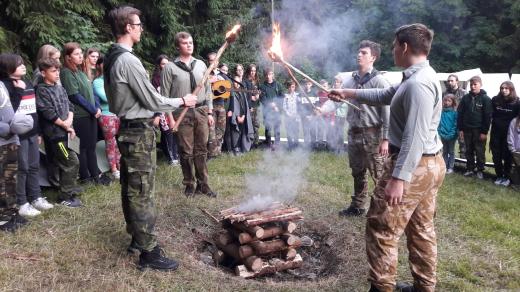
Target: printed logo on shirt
27, 104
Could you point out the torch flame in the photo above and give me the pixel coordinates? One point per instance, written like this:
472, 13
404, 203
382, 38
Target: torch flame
275, 52
233, 32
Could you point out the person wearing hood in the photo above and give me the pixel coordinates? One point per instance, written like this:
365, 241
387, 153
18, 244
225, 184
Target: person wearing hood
474, 118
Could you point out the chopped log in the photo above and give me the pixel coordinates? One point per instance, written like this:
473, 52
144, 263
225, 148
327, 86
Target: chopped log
254, 231
270, 268
254, 263
268, 213
289, 254
245, 251
223, 238
267, 247
231, 250
292, 240
289, 226
296, 215
269, 232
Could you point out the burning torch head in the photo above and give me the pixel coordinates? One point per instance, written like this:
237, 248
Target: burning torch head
275, 52
232, 35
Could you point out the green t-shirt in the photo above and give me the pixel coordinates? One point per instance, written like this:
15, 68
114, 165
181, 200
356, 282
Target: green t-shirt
77, 82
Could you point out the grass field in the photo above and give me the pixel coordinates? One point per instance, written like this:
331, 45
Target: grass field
478, 227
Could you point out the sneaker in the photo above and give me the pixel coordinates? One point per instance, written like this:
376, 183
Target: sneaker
72, 202
28, 210
480, 175
42, 204
103, 179
352, 212
505, 182
174, 162
116, 174
468, 173
156, 260
449, 171
498, 181
14, 223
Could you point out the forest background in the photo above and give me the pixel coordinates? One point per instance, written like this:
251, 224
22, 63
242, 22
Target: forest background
319, 36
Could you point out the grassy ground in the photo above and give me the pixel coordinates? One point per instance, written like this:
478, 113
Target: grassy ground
478, 227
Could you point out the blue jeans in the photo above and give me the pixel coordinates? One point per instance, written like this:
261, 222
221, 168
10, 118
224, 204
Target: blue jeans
448, 152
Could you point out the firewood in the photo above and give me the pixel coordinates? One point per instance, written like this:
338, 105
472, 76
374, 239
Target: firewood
254, 263
296, 215
273, 266
269, 232
267, 247
289, 226
254, 231
223, 238
291, 239
289, 254
245, 251
230, 249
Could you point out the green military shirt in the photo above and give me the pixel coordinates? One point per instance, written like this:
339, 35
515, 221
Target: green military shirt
77, 82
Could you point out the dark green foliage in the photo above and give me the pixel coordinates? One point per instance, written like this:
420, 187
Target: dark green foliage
468, 33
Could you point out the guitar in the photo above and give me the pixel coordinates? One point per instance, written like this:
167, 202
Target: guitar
223, 89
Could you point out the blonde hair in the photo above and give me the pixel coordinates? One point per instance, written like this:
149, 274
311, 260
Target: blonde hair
46, 51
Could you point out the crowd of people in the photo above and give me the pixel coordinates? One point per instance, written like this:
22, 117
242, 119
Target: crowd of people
91, 95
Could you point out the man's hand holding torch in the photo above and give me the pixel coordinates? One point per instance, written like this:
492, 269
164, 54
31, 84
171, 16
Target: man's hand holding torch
339, 95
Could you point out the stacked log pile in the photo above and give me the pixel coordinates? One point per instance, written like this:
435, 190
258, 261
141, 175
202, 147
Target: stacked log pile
261, 242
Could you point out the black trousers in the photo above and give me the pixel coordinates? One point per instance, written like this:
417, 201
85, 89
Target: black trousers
87, 130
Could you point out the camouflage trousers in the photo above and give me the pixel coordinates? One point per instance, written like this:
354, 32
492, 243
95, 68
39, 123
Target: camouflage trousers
67, 163
8, 169
413, 216
256, 124
363, 156
136, 141
216, 132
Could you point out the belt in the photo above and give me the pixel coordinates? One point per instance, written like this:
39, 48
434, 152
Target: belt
200, 104
392, 149
365, 130
136, 123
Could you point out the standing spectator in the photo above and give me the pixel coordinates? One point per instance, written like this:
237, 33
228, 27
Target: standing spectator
10, 220
368, 133
453, 88
339, 120
45, 52
21, 93
291, 118
271, 98
505, 108
513, 144
165, 121
56, 112
108, 122
180, 78
251, 82
474, 118
86, 111
325, 118
448, 130
219, 115
89, 63
308, 116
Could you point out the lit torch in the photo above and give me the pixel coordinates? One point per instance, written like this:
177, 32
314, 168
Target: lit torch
276, 54
231, 36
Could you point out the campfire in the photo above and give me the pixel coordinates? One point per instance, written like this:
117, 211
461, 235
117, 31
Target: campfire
260, 242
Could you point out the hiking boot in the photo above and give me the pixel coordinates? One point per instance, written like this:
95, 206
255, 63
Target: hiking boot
205, 191
352, 212
28, 210
404, 287
14, 223
189, 191
373, 289
156, 260
42, 204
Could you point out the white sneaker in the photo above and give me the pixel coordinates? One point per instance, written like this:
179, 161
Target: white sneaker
480, 175
28, 210
505, 182
498, 181
449, 171
116, 174
42, 204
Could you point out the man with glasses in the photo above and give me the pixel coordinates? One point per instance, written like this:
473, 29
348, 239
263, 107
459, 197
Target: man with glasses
134, 100
453, 88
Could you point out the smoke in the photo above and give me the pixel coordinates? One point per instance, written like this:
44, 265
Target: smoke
277, 179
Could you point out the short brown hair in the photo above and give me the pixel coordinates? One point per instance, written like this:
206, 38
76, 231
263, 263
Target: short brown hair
453, 99
180, 35
454, 76
9, 63
418, 37
47, 63
121, 16
375, 48
68, 49
475, 79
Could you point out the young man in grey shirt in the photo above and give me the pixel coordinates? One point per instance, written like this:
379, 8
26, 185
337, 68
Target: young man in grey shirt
134, 100
405, 196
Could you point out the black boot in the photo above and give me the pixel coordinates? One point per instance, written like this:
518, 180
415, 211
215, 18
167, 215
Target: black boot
133, 248
404, 287
156, 260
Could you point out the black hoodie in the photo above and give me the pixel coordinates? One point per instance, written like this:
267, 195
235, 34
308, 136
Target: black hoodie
474, 112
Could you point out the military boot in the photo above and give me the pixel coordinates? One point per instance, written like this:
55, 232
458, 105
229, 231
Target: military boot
156, 260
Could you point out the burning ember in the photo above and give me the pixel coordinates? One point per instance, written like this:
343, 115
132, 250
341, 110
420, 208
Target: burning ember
259, 243
232, 34
275, 52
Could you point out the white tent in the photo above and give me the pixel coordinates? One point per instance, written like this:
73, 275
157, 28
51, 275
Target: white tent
516, 81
